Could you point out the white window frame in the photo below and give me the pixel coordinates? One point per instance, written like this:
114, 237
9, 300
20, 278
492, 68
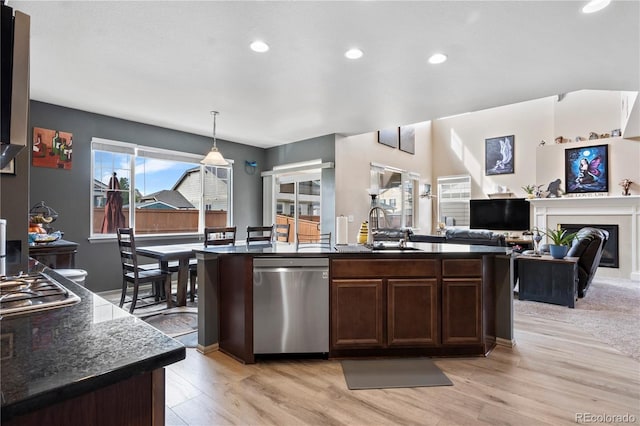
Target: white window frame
136, 151
454, 189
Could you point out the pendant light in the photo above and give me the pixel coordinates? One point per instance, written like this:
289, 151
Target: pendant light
214, 157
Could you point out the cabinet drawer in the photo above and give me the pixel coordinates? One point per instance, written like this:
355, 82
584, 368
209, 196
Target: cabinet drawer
364, 268
462, 268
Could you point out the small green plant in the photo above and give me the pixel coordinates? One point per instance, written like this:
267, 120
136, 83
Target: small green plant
529, 189
559, 236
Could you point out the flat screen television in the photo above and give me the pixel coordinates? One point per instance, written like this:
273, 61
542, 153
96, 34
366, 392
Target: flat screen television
500, 214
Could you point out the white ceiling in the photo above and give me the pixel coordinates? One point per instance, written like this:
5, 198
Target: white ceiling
170, 63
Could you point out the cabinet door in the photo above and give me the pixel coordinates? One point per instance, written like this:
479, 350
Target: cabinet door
357, 313
412, 312
461, 311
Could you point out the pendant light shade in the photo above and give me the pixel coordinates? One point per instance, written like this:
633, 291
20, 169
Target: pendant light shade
214, 157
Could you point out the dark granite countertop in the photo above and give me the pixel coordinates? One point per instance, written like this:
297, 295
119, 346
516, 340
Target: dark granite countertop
413, 249
57, 354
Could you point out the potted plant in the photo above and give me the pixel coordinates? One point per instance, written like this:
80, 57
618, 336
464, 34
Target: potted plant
529, 190
560, 241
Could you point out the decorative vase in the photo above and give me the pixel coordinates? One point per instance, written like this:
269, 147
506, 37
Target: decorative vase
558, 252
363, 235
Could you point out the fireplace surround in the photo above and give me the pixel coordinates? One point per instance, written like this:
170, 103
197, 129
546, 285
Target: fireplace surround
623, 211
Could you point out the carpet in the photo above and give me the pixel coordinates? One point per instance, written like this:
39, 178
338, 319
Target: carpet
609, 311
181, 323
393, 373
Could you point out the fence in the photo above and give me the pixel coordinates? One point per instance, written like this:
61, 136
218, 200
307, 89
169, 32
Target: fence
165, 221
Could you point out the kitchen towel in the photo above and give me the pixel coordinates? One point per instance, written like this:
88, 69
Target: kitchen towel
342, 230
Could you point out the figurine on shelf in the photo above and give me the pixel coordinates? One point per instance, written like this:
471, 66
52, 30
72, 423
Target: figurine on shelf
625, 184
593, 135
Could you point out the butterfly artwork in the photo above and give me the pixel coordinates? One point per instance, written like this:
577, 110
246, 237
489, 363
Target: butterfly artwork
586, 169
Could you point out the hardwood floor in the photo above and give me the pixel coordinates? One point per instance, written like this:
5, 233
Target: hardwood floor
553, 373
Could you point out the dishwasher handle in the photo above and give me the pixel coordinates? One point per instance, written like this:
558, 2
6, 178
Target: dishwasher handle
293, 269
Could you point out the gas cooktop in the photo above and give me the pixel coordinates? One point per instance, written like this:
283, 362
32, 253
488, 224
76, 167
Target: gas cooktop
26, 293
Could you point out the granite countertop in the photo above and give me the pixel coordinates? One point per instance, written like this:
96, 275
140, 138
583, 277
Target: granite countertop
414, 249
61, 353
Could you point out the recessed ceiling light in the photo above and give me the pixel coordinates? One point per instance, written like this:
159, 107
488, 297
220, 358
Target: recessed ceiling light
354, 53
595, 5
437, 58
259, 46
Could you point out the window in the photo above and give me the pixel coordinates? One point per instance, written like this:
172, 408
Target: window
454, 193
165, 187
395, 193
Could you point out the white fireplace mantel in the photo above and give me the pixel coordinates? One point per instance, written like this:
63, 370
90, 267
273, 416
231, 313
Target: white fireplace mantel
625, 209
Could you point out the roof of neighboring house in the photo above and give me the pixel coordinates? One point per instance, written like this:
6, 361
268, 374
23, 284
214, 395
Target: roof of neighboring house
172, 199
184, 176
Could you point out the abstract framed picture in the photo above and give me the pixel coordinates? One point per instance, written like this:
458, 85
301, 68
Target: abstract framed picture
408, 139
498, 155
586, 169
52, 148
389, 137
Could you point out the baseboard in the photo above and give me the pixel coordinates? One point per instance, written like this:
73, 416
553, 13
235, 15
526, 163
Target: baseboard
207, 349
635, 276
509, 343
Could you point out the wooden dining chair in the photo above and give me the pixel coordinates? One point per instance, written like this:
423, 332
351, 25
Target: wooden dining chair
259, 234
135, 274
322, 241
281, 232
220, 236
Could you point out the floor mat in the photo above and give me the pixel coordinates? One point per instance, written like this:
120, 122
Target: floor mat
393, 373
174, 323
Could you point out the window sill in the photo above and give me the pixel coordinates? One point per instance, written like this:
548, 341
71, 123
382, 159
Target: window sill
97, 239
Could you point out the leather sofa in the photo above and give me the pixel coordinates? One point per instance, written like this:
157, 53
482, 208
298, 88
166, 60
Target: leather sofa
463, 236
587, 246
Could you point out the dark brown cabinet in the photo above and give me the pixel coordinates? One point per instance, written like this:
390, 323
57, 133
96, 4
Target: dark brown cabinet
461, 311
59, 254
378, 304
412, 312
357, 313
402, 306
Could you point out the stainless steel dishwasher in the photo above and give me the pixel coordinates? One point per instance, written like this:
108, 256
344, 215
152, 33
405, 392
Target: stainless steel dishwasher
290, 305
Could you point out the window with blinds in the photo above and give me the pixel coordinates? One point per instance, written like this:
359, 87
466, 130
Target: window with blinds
454, 193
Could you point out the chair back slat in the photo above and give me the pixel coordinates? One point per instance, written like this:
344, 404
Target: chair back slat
322, 240
220, 236
259, 234
282, 232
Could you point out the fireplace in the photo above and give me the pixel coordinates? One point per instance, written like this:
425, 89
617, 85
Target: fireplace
609, 257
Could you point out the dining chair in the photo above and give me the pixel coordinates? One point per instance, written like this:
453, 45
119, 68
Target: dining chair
259, 234
136, 274
220, 236
281, 232
322, 240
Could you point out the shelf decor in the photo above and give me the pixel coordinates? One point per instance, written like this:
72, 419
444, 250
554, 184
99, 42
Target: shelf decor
408, 139
498, 155
389, 137
587, 169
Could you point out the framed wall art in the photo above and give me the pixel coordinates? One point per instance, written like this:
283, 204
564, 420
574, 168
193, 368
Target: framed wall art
408, 139
586, 169
498, 155
52, 148
389, 137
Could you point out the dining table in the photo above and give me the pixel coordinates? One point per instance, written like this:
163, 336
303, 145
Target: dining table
167, 255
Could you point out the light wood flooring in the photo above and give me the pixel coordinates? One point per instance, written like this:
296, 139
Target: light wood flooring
553, 373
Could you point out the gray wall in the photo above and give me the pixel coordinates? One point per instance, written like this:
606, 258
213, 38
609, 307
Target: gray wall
324, 148
69, 191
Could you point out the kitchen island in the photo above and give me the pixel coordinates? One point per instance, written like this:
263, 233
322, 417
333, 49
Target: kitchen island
426, 299
86, 363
